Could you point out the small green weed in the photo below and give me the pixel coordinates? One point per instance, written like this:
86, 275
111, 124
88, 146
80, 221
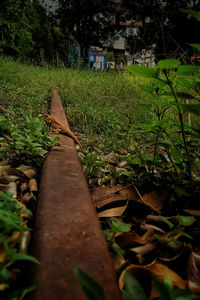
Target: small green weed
116, 227
10, 223
26, 140
132, 289
171, 141
176, 232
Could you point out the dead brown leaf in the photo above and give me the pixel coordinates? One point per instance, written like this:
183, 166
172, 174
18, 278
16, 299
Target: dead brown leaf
129, 239
24, 241
195, 213
113, 212
27, 197
193, 272
157, 269
161, 271
155, 200
16, 172
23, 187
33, 185
144, 249
104, 195
4, 163
3, 169
30, 173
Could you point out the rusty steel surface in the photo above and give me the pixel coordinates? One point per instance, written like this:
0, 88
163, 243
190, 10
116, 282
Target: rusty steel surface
67, 231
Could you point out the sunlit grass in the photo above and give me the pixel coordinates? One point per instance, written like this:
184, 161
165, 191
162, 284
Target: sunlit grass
100, 105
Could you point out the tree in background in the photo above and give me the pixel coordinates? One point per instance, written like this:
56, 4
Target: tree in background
88, 22
27, 32
163, 25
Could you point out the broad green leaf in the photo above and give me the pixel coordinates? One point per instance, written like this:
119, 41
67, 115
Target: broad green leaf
119, 226
132, 289
118, 250
185, 83
12, 255
188, 69
168, 292
161, 289
4, 274
21, 293
185, 220
143, 71
108, 236
191, 108
196, 46
93, 290
177, 155
181, 191
193, 13
9, 221
168, 64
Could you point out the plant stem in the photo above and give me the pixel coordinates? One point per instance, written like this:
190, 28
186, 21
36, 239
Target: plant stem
169, 82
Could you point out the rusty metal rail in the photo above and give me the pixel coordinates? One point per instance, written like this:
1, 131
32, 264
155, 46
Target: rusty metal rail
67, 231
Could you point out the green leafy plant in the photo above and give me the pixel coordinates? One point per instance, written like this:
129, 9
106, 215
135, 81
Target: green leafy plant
25, 140
91, 164
171, 140
116, 227
11, 256
92, 289
176, 232
10, 222
132, 289
167, 291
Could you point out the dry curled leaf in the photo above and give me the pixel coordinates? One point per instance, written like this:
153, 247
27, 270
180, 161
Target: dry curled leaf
144, 249
161, 271
193, 272
24, 241
155, 200
3, 169
105, 195
129, 239
30, 173
157, 269
12, 188
4, 163
33, 185
24, 168
23, 187
113, 212
16, 172
195, 213
14, 237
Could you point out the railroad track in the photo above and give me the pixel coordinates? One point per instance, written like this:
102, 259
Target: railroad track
67, 232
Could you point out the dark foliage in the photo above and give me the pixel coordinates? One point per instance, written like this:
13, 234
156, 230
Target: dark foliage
27, 32
89, 22
163, 25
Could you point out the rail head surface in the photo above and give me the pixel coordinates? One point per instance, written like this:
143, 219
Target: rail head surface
67, 232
